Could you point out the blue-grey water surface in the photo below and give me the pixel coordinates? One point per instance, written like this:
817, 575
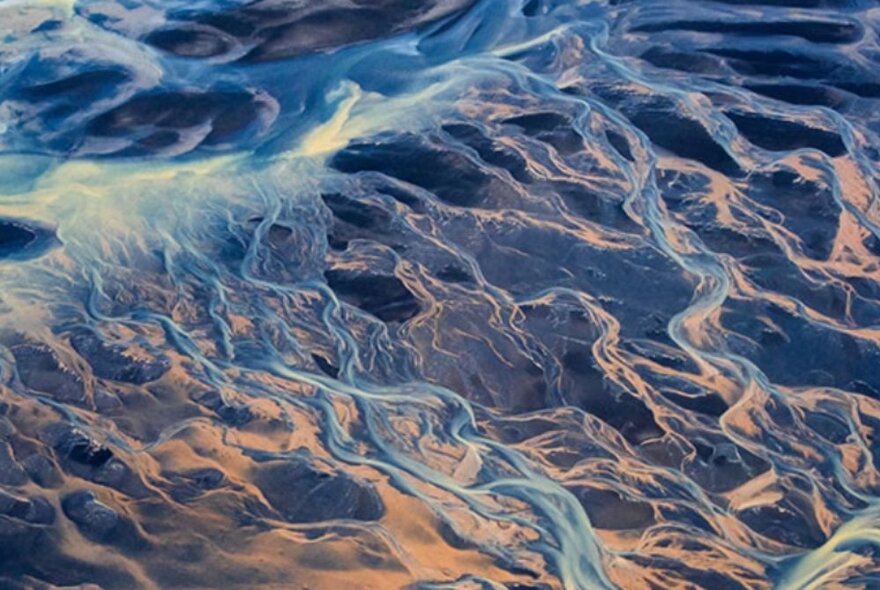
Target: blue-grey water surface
439, 294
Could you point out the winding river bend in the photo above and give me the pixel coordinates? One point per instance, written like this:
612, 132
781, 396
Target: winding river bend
439, 294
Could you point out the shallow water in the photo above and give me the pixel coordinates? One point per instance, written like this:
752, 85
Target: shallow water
472, 294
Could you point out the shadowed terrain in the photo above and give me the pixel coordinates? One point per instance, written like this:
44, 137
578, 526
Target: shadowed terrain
440, 294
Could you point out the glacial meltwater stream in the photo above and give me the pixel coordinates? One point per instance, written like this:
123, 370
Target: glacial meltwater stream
440, 294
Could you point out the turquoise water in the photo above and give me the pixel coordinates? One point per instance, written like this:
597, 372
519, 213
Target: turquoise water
440, 294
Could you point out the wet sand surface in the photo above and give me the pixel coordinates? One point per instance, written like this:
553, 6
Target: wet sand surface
439, 294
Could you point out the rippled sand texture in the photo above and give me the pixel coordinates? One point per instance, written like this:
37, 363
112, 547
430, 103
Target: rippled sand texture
439, 294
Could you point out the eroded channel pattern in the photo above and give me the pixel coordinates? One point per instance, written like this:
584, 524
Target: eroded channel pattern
471, 294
